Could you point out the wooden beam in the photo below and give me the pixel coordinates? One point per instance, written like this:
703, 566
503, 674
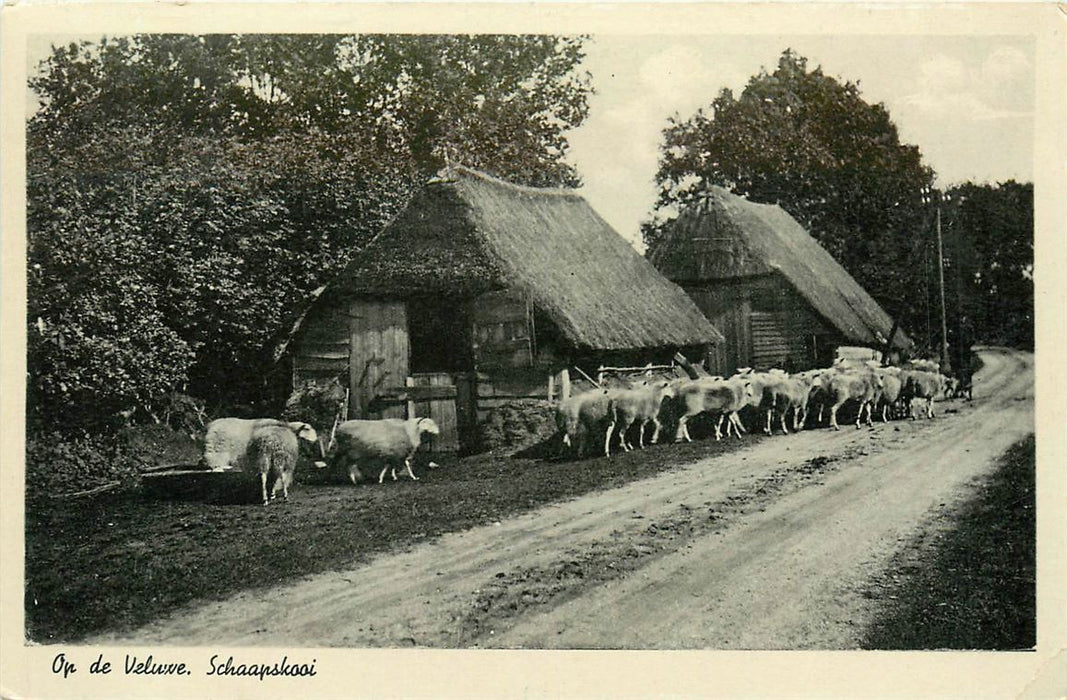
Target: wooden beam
409, 382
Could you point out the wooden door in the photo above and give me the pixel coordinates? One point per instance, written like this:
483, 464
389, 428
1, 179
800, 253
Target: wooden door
378, 358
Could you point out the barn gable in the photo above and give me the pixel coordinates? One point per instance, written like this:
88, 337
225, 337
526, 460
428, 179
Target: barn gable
724, 237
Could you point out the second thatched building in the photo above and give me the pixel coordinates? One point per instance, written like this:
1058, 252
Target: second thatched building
778, 296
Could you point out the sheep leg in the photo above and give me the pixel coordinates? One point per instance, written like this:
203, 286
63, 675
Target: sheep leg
781, 419
739, 427
641, 435
407, 463
833, 416
623, 427
767, 427
730, 425
682, 431
263, 485
718, 428
655, 431
381, 477
607, 439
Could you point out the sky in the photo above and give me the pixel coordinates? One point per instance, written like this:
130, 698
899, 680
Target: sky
966, 102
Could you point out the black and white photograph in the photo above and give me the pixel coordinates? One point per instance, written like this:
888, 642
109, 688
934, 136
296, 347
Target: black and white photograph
351, 341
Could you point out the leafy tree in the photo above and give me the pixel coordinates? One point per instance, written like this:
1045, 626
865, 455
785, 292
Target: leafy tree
810, 143
186, 193
989, 237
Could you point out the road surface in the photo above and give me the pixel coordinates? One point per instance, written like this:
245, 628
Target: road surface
768, 547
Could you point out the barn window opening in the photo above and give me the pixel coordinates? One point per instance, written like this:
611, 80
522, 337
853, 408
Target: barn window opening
440, 335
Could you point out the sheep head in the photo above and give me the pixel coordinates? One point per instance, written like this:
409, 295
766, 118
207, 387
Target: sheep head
305, 432
427, 425
667, 389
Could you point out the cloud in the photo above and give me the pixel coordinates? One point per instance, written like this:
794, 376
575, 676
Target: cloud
998, 86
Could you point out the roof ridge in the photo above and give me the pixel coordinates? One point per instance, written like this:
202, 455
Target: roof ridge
453, 173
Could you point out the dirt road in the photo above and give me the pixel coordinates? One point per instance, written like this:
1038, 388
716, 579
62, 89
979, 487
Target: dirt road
768, 547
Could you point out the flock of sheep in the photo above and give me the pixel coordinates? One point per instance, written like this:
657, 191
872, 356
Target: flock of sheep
610, 412
270, 449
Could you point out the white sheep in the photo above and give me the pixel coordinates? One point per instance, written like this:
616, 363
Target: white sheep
640, 405
390, 441
227, 440
583, 414
273, 451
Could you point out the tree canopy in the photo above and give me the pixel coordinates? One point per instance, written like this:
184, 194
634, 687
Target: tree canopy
186, 193
989, 239
807, 141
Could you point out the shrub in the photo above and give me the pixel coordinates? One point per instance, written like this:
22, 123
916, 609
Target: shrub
318, 403
57, 463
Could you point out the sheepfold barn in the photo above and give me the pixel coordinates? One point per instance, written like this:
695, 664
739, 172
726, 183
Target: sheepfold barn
779, 297
476, 293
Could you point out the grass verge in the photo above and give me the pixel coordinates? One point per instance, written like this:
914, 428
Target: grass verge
972, 585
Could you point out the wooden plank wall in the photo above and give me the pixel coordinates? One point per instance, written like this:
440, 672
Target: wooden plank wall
502, 335
321, 350
728, 310
502, 387
765, 321
379, 345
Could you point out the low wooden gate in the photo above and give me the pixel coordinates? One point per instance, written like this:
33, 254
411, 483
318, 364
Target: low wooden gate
433, 395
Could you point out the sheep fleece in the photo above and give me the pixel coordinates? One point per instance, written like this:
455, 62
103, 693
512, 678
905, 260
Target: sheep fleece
390, 439
226, 441
273, 451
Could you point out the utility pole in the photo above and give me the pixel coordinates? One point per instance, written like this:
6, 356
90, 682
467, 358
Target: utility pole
946, 367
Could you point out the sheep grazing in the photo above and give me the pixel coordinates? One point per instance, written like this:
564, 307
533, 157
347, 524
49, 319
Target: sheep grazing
227, 440
585, 413
389, 441
640, 405
273, 451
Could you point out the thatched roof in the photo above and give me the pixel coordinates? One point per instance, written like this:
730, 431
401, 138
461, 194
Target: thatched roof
466, 233
724, 236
